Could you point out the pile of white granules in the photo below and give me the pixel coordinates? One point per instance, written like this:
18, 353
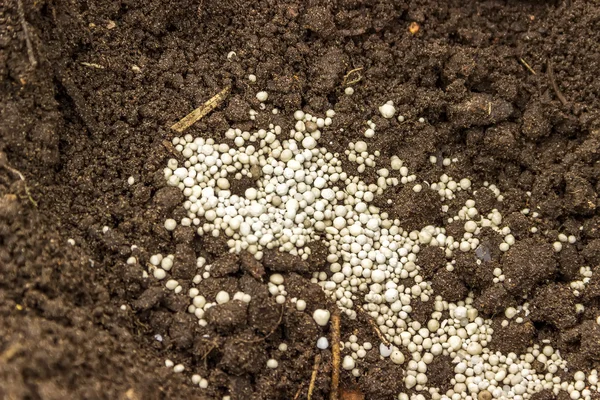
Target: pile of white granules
302, 194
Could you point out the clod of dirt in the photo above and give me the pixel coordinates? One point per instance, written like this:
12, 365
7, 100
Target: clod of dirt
242, 356
237, 109
301, 327
326, 71
479, 109
263, 314
181, 331
485, 200
440, 373
513, 337
240, 388
150, 298
475, 275
302, 288
502, 140
526, 264
227, 317
519, 224
590, 340
591, 252
554, 303
543, 395
580, 195
184, 234
227, 264
167, 198
569, 263
535, 123
493, 300
319, 20
416, 210
430, 259
284, 262
184, 265
591, 227
448, 285
210, 287
382, 381
251, 265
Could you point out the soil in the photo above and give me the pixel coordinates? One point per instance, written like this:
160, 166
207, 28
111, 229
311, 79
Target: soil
90, 88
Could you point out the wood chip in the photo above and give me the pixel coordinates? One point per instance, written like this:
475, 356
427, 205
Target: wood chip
201, 111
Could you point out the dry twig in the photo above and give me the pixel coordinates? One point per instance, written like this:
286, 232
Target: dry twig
20, 175
559, 94
527, 66
201, 111
374, 326
313, 377
297, 395
335, 352
21, 13
92, 65
356, 80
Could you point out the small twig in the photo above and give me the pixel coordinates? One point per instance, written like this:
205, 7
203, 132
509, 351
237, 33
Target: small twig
214, 346
346, 83
21, 13
268, 334
374, 326
201, 111
527, 66
92, 65
297, 395
559, 94
20, 175
313, 377
335, 352
9, 353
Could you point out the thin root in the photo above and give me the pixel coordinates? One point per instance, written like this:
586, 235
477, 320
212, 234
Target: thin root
9, 353
201, 111
313, 377
92, 65
297, 395
335, 352
527, 66
21, 13
355, 80
559, 94
374, 326
20, 175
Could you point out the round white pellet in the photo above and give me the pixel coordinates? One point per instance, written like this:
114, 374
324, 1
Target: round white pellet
387, 110
397, 357
348, 363
322, 343
262, 96
222, 297
321, 317
170, 224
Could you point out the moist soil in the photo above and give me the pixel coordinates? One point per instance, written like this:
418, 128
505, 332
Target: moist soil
90, 89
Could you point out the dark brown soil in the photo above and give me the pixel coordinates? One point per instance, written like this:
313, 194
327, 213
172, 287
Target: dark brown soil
89, 89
